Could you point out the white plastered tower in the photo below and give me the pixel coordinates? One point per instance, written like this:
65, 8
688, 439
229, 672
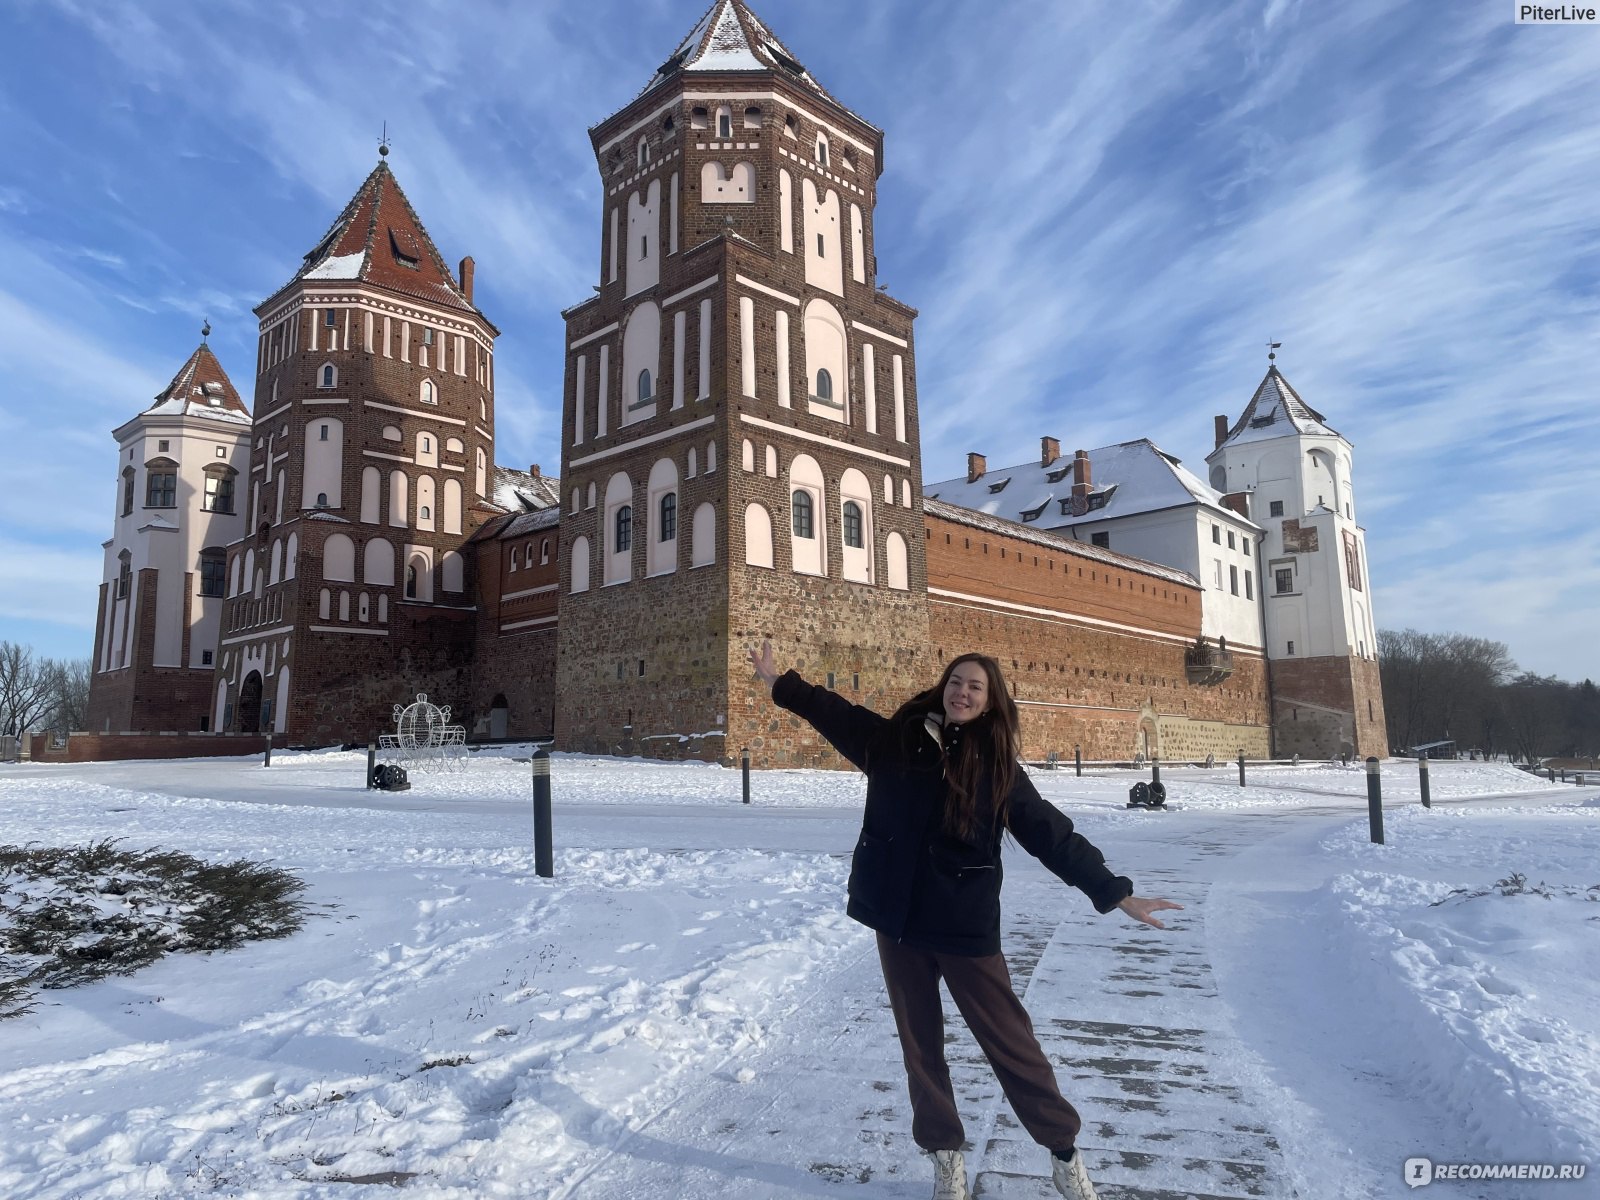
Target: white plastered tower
1296, 472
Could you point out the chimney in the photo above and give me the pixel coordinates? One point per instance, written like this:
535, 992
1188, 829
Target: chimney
534, 470
976, 466
1239, 502
1081, 482
1049, 451
467, 267
1222, 428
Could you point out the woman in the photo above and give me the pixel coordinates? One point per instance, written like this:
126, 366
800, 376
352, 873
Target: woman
943, 785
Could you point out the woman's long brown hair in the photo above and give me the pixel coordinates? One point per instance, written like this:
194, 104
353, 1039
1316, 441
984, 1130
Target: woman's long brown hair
993, 742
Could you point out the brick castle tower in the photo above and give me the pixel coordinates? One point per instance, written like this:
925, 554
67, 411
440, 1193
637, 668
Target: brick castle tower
740, 444
371, 461
1322, 648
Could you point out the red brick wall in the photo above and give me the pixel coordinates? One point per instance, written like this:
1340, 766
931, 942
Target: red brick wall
108, 747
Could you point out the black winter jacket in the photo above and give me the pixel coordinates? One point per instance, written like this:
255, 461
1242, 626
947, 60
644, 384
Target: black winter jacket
911, 880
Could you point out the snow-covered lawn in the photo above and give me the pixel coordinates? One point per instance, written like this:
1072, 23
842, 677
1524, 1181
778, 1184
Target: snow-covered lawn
684, 984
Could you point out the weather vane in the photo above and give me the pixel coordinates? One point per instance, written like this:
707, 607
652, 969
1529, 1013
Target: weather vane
205, 330
383, 142
1272, 348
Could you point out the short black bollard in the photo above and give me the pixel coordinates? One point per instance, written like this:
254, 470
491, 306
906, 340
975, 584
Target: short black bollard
266, 760
1241, 768
1374, 802
744, 765
1077, 760
372, 762
1422, 774
543, 844
1155, 771
1552, 770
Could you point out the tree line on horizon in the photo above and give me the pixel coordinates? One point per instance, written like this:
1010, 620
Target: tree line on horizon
1468, 690
38, 693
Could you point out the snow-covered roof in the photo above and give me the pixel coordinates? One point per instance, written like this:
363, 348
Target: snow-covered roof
201, 388
1054, 541
1276, 410
532, 522
379, 239
732, 38
1125, 479
525, 491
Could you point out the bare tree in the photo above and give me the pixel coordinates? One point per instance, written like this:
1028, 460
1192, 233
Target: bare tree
25, 689
69, 695
1439, 686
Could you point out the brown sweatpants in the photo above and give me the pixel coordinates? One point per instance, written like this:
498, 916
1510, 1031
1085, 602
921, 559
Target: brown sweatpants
981, 988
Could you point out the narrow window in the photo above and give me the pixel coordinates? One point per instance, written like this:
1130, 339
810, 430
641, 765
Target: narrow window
825, 385
322, 433
427, 336
822, 246
411, 580
1233, 579
1249, 594
852, 525
624, 539
427, 513
1285, 580
669, 517
322, 499
328, 377
724, 125
162, 446
644, 246
646, 387
822, 150
330, 318
430, 392
213, 575
427, 444
544, 552
800, 504
1291, 651
1216, 535
205, 661
124, 576
127, 491
1231, 543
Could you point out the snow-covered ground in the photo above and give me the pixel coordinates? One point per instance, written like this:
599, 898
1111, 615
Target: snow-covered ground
684, 1009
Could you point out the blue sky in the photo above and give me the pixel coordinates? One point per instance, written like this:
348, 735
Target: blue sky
1103, 211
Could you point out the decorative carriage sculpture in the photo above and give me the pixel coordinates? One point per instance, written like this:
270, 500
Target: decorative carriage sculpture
424, 739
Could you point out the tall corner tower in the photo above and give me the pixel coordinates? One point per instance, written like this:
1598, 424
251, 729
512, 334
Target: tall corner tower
740, 448
180, 466
1322, 646
371, 464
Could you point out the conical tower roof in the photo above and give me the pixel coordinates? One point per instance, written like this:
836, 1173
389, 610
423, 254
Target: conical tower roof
732, 38
201, 388
1276, 410
379, 239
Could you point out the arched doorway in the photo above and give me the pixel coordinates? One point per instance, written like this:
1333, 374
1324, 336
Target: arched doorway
250, 703
1149, 738
499, 716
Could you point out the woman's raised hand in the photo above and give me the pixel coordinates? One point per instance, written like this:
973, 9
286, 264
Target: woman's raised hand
761, 660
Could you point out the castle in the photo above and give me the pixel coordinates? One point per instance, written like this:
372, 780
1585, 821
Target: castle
740, 457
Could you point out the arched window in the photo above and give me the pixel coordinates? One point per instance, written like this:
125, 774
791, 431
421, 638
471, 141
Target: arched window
747, 455
430, 392
411, 580
802, 515
329, 377
791, 127
544, 552
752, 117
624, 529
127, 491
668, 524
580, 565
825, 385
322, 499
822, 148
426, 513
724, 122
848, 159
644, 151
852, 525
646, 390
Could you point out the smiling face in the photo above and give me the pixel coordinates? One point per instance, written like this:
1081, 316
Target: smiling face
966, 693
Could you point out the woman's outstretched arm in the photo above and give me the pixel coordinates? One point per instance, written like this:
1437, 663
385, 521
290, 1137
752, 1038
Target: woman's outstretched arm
848, 727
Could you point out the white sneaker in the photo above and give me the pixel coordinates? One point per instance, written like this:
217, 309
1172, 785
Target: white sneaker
950, 1176
1070, 1177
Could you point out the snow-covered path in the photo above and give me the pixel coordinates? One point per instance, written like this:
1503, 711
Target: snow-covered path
685, 1010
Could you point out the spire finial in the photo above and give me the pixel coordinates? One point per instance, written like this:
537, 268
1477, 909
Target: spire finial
205, 330
383, 142
1272, 348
